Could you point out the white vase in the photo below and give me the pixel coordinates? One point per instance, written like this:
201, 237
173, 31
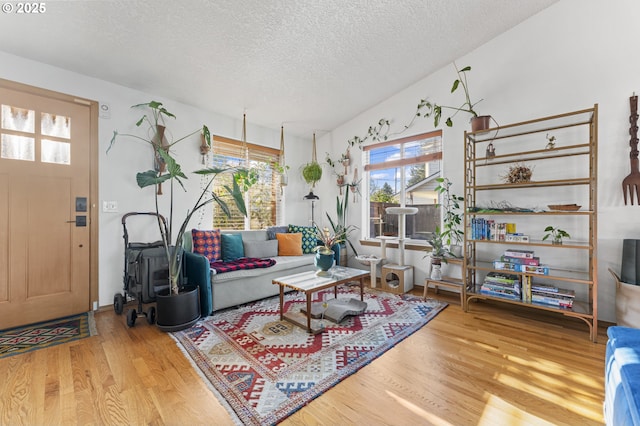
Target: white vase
436, 272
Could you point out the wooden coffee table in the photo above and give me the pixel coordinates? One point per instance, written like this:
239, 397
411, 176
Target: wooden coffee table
309, 283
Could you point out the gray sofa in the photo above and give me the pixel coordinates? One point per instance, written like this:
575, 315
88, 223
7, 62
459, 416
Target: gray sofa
237, 287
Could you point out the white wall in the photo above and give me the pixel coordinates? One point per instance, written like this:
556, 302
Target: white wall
568, 57
118, 168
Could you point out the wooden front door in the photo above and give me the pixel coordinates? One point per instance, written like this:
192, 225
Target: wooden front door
45, 226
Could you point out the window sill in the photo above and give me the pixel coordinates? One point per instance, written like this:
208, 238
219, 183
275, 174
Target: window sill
408, 244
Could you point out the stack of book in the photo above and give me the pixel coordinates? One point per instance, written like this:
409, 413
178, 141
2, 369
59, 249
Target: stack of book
553, 296
506, 286
520, 261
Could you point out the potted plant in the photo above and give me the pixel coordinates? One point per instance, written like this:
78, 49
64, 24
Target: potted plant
178, 307
312, 172
324, 253
438, 253
556, 235
339, 226
453, 219
281, 170
478, 122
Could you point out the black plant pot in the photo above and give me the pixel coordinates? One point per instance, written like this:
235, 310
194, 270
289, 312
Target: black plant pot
176, 312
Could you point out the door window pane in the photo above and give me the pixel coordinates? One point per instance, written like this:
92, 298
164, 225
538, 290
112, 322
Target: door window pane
55, 152
55, 125
19, 119
15, 147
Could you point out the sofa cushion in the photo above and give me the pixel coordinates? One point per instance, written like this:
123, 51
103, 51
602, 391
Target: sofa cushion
207, 243
232, 247
309, 240
260, 249
273, 230
289, 244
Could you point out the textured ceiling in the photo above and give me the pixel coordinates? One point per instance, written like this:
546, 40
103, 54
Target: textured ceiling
312, 64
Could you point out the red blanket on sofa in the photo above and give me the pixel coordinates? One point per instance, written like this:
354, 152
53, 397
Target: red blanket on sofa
242, 263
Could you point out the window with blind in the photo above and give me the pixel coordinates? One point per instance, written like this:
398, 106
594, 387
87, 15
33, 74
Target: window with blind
402, 172
263, 198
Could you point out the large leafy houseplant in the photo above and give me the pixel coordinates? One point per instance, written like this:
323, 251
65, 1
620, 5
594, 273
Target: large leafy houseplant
434, 110
172, 174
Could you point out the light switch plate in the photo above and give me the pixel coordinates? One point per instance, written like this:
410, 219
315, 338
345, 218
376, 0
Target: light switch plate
110, 206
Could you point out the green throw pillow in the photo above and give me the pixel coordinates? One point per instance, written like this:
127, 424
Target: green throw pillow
309, 240
232, 247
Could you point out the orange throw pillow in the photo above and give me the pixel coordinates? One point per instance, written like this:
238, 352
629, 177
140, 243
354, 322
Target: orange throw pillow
289, 244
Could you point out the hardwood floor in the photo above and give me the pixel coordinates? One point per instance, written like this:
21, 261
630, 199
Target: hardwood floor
491, 366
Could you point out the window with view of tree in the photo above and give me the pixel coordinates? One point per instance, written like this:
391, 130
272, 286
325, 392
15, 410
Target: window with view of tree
402, 172
262, 200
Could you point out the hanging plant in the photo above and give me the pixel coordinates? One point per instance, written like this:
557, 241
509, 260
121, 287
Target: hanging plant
312, 173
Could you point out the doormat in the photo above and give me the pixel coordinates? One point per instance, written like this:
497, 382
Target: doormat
48, 333
263, 369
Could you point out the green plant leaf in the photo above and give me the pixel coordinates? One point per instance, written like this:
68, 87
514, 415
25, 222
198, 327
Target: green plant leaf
455, 85
150, 177
437, 113
223, 205
207, 135
467, 68
238, 197
173, 168
210, 171
139, 122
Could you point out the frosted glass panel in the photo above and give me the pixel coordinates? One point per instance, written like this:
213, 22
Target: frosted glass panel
17, 147
19, 119
55, 125
56, 152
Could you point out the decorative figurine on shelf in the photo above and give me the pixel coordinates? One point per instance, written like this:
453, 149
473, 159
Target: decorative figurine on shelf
491, 151
552, 142
518, 173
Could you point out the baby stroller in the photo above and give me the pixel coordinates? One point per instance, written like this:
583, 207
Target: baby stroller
146, 272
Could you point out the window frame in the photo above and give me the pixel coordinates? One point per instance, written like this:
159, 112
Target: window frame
400, 163
249, 152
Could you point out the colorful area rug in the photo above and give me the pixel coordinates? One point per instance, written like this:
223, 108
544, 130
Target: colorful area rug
49, 333
263, 369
